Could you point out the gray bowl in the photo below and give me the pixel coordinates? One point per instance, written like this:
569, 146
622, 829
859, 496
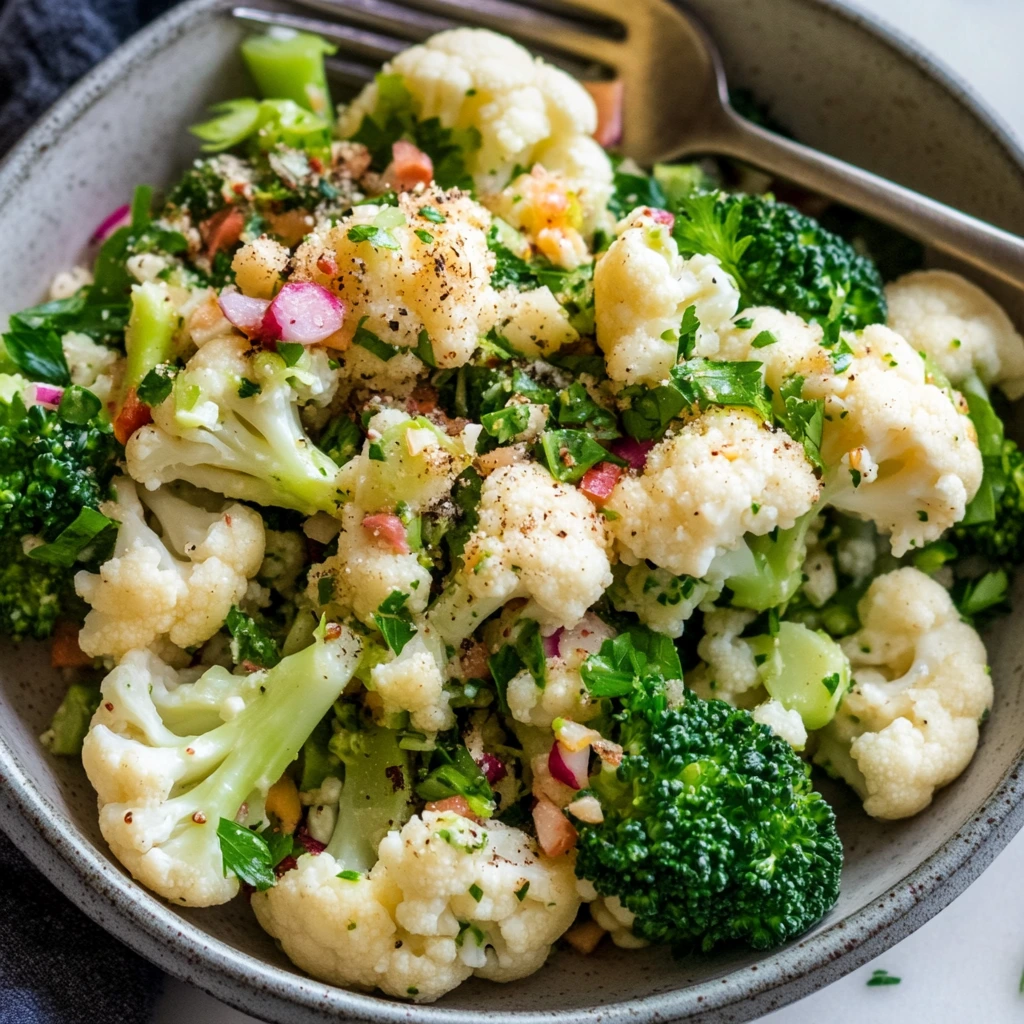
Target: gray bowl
844, 85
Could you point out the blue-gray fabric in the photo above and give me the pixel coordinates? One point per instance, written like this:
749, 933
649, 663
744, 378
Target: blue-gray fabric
56, 966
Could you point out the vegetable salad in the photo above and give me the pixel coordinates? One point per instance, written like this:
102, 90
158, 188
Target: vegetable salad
462, 539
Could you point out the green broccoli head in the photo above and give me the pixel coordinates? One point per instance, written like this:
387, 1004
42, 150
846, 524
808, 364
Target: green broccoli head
781, 257
712, 832
999, 536
55, 469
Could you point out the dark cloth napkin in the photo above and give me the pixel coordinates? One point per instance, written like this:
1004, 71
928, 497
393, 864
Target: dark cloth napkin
56, 966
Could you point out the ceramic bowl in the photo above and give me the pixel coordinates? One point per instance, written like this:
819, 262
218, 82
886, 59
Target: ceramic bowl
844, 85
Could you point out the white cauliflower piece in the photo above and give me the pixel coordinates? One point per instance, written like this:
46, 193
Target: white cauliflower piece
898, 452
642, 287
412, 681
660, 599
786, 724
962, 328
525, 110
921, 686
429, 289
819, 571
180, 586
617, 921
724, 474
92, 365
564, 694
535, 538
728, 670
365, 571
412, 927
534, 323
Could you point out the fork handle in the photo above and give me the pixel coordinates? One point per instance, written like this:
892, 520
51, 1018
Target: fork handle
987, 247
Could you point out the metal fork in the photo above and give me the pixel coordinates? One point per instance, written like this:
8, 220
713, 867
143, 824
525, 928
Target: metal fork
667, 116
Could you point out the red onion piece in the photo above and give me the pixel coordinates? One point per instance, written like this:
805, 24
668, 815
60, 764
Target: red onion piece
570, 767
302, 312
493, 767
117, 219
599, 481
607, 97
555, 832
633, 451
660, 216
551, 643
409, 167
243, 312
390, 529
47, 395
313, 846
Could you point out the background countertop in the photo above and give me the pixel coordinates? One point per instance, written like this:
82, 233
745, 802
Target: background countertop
966, 964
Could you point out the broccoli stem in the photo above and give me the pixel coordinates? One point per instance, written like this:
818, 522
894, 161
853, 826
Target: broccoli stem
71, 720
769, 569
374, 798
290, 68
805, 670
149, 337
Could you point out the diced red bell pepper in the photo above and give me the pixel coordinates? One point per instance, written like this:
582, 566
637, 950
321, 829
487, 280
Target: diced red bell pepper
132, 415
222, 230
409, 167
599, 481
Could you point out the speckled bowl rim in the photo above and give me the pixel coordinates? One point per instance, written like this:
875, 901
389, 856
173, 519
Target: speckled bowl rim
185, 951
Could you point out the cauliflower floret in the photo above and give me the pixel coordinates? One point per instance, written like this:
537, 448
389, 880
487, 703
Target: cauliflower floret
535, 538
728, 670
642, 287
819, 570
921, 686
525, 110
446, 900
92, 365
258, 267
365, 571
180, 586
963, 329
534, 323
726, 473
660, 599
428, 290
564, 694
786, 724
617, 921
898, 452
413, 682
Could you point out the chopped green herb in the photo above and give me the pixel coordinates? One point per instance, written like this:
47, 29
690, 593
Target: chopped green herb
248, 388
433, 215
378, 237
882, 978
764, 339
245, 854
394, 621
424, 236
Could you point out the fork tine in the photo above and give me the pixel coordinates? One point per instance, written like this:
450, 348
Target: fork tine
558, 38
375, 47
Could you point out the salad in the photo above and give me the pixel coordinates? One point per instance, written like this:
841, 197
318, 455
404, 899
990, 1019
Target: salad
462, 540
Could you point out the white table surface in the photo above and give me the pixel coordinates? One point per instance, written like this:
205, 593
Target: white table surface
965, 965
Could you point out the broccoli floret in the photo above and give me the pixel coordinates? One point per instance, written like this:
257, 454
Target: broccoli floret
781, 257
712, 832
55, 469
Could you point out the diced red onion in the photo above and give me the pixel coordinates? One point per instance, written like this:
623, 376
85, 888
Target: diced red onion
493, 767
660, 216
608, 98
599, 481
47, 395
302, 312
551, 643
570, 767
106, 227
243, 312
633, 451
311, 845
555, 833
390, 529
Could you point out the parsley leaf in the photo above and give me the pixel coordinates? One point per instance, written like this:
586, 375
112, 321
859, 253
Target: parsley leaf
706, 382
505, 423
65, 548
704, 227
368, 340
457, 774
570, 453
394, 621
378, 237
250, 641
245, 854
